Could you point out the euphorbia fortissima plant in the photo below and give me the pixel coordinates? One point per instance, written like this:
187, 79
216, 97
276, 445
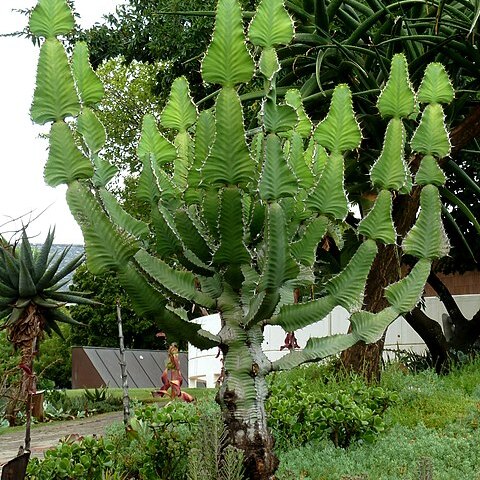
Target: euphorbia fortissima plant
235, 228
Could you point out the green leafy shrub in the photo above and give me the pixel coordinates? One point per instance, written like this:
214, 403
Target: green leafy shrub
76, 459
346, 412
58, 405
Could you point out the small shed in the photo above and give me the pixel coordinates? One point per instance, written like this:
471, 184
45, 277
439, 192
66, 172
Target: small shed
95, 367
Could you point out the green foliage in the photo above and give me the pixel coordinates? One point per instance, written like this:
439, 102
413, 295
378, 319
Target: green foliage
33, 280
433, 414
345, 411
86, 459
394, 456
206, 460
54, 364
218, 252
101, 321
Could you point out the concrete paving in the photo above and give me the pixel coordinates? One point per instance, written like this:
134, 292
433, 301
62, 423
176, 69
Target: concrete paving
47, 435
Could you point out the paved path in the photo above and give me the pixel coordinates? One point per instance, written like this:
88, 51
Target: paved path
48, 435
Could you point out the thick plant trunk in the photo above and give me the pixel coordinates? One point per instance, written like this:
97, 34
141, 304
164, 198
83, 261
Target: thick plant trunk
242, 397
252, 437
24, 335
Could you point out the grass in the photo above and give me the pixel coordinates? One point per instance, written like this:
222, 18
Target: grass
144, 395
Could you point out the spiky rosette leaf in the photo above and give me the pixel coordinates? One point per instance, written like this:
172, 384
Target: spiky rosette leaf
123, 219
180, 113
107, 249
204, 137
268, 63
227, 60
436, 86
389, 171
296, 160
232, 250
92, 130
55, 96
147, 188
51, 18
304, 250
339, 131
431, 136
348, 286
104, 172
315, 349
397, 99
370, 327
30, 289
66, 163
89, 86
278, 118
293, 98
279, 265
149, 301
193, 233
152, 142
179, 282
378, 224
329, 196
298, 315
427, 238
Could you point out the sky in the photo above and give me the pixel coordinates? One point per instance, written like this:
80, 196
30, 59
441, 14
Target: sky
23, 154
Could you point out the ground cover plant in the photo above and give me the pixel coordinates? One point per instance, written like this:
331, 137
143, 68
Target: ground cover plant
235, 228
428, 428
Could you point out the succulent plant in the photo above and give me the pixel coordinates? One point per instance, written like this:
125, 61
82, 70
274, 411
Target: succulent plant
234, 229
32, 298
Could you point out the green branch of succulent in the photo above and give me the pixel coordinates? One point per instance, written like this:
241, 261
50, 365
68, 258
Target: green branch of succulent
238, 221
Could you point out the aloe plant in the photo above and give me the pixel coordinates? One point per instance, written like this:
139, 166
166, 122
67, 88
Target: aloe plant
31, 304
235, 224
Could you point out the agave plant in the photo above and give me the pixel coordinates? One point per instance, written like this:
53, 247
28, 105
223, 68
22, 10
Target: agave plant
235, 224
32, 299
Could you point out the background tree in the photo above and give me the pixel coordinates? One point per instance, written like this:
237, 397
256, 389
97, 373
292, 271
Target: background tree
234, 226
138, 31
100, 327
336, 41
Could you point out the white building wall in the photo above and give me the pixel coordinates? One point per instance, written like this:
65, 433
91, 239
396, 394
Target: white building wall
206, 365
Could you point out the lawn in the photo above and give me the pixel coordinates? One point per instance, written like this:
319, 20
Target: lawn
144, 395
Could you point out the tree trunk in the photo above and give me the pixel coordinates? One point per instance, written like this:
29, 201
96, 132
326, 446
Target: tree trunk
242, 397
24, 334
250, 435
432, 334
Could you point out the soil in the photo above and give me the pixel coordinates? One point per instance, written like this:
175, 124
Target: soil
47, 436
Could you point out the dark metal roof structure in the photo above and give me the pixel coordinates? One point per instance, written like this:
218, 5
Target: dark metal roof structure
94, 367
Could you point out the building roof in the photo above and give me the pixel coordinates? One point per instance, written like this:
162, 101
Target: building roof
96, 366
